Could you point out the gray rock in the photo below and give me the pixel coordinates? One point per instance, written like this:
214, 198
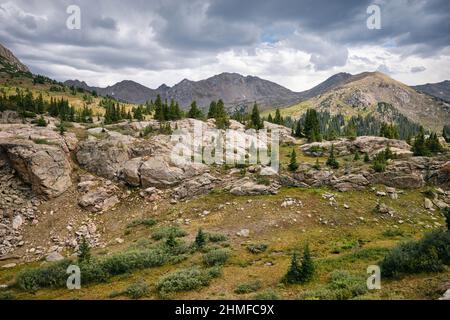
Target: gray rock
54, 257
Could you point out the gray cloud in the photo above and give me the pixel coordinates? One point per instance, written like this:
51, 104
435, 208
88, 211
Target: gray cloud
418, 69
158, 35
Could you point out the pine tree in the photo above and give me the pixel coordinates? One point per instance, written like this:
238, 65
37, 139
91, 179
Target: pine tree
220, 115
433, 144
41, 122
212, 110
419, 146
312, 126
278, 119
195, 112
332, 162
293, 165
269, 118
293, 275
298, 130
200, 239
62, 128
300, 274
357, 156
256, 122
84, 254
366, 158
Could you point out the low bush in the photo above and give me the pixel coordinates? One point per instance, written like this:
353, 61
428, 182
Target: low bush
216, 257
137, 290
100, 270
267, 295
142, 222
217, 237
342, 286
248, 287
186, 280
257, 248
166, 232
430, 254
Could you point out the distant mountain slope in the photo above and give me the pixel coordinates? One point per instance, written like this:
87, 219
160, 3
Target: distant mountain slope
234, 89
361, 93
7, 57
439, 90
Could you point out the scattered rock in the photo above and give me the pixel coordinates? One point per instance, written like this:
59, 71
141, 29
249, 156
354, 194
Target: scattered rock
245, 233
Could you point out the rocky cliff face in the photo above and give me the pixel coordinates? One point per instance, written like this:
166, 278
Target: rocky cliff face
8, 57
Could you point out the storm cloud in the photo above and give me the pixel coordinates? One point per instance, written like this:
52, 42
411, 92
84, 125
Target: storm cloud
294, 42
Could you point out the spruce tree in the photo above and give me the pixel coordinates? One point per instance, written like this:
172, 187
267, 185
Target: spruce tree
357, 156
366, 158
419, 145
293, 275
278, 119
195, 112
212, 110
298, 130
200, 239
221, 116
256, 122
269, 118
312, 126
293, 165
300, 273
332, 162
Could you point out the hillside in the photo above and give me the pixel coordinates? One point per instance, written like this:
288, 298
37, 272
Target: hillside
8, 58
439, 90
360, 94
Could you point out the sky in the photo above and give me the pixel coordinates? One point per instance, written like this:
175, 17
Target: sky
296, 43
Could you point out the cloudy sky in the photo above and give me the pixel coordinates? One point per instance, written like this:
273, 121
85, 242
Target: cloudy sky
296, 43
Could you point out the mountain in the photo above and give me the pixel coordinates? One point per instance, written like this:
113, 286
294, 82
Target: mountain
360, 95
7, 58
439, 90
329, 84
234, 89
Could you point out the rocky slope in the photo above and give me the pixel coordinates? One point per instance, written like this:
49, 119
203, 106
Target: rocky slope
360, 94
234, 89
439, 90
6, 56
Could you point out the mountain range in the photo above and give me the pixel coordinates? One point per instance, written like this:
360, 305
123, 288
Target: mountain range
342, 93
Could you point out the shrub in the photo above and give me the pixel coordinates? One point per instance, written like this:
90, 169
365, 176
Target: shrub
84, 251
137, 290
293, 164
216, 257
342, 286
142, 222
165, 232
41, 122
257, 248
429, 254
99, 270
267, 295
446, 213
217, 237
248, 287
186, 280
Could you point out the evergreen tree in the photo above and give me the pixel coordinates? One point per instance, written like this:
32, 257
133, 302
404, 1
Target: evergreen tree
220, 115
366, 158
62, 128
300, 274
312, 126
293, 165
212, 110
171, 242
419, 146
433, 144
446, 133
200, 239
195, 112
84, 254
298, 130
278, 119
159, 112
255, 118
332, 162
269, 118
357, 156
